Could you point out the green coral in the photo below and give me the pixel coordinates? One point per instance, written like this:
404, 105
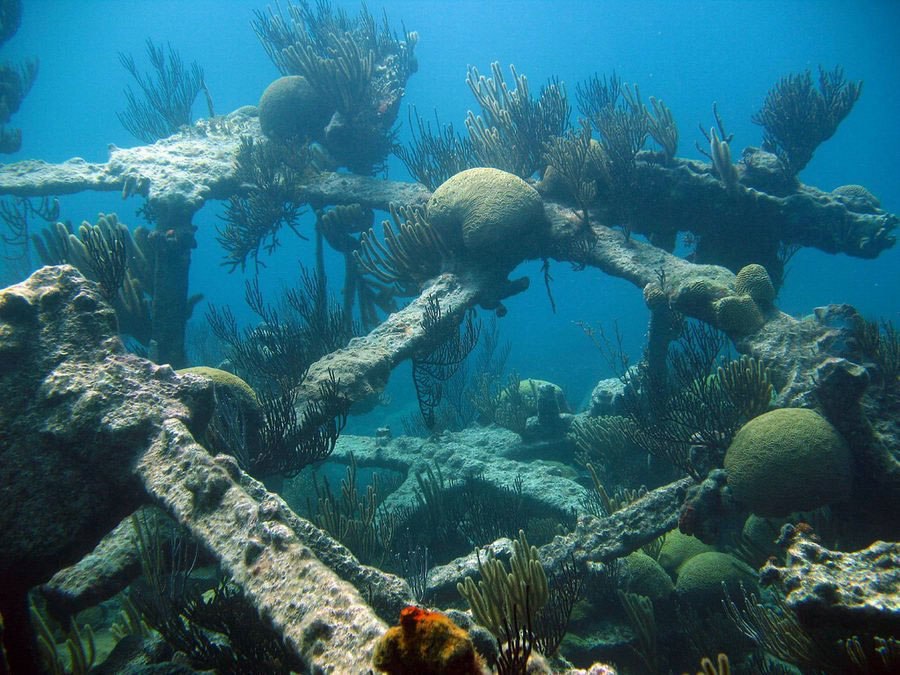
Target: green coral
291, 109
738, 315
754, 280
678, 548
644, 575
787, 460
696, 298
655, 297
225, 380
700, 579
494, 212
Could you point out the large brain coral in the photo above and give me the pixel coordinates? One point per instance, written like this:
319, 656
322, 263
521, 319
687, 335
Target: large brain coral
290, 108
494, 212
701, 577
787, 460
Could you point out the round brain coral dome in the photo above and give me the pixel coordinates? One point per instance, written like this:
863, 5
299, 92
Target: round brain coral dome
788, 460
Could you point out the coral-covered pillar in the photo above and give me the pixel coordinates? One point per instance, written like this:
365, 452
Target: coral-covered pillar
173, 241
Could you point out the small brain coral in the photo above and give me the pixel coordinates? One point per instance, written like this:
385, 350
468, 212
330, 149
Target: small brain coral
494, 212
754, 280
738, 315
857, 198
426, 643
787, 460
290, 108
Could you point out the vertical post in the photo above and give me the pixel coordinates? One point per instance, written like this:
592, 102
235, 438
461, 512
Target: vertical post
174, 239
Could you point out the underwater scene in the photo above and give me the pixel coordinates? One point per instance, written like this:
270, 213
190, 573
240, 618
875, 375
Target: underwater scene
438, 338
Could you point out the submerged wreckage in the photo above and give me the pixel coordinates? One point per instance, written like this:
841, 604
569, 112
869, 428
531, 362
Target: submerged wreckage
92, 433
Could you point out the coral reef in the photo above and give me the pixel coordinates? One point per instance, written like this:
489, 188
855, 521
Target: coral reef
83, 412
701, 577
753, 280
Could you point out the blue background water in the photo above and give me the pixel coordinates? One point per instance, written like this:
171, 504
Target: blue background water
688, 53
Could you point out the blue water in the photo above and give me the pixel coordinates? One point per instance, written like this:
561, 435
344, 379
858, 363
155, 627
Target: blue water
687, 53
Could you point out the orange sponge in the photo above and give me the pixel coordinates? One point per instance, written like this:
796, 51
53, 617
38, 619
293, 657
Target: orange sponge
426, 643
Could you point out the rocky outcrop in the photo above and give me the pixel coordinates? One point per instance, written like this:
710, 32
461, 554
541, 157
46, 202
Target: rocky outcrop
76, 411
91, 432
858, 592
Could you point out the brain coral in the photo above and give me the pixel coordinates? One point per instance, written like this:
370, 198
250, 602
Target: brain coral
787, 460
495, 212
700, 578
678, 548
857, 198
738, 314
290, 108
229, 381
754, 280
643, 575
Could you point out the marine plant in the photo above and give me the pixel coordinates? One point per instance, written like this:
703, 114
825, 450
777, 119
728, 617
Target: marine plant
19, 215
642, 618
122, 261
512, 127
106, 248
274, 357
574, 157
439, 359
471, 395
212, 624
166, 96
338, 226
356, 519
720, 153
291, 440
775, 628
565, 588
268, 202
507, 601
797, 116
688, 409
433, 156
623, 124
412, 250
880, 342
721, 666
79, 646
